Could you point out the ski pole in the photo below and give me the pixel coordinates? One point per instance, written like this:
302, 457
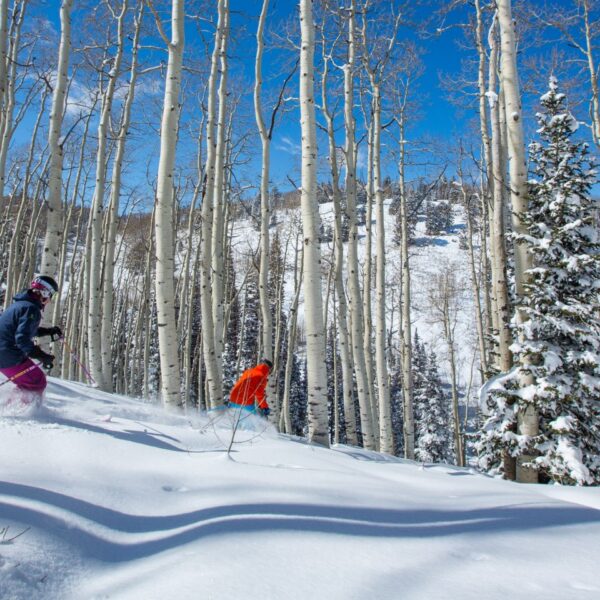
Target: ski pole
76, 359
23, 372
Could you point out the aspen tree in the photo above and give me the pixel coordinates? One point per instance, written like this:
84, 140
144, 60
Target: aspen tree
95, 291
54, 220
8, 85
501, 316
375, 68
213, 373
527, 419
285, 422
444, 299
341, 312
469, 202
12, 272
108, 258
367, 288
219, 208
406, 354
592, 69
165, 300
486, 167
354, 295
580, 31
313, 299
3, 49
265, 138
190, 275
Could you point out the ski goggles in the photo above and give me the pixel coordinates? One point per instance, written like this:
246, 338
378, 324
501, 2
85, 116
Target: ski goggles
43, 287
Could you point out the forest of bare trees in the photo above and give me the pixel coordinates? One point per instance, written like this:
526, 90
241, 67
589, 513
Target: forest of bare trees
138, 167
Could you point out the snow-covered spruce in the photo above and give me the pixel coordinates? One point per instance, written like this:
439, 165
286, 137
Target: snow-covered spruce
560, 341
433, 431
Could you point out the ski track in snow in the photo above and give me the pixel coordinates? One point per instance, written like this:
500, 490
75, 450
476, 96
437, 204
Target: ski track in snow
121, 499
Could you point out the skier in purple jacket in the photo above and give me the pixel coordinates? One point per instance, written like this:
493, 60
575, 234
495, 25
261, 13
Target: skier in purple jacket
19, 324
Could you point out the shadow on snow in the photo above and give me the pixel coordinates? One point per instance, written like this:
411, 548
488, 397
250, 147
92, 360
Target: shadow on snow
249, 518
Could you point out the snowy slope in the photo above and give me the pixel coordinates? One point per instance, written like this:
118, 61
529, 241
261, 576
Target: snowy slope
123, 500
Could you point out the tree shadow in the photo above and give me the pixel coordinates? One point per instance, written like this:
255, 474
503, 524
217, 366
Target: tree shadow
171, 531
154, 438
422, 242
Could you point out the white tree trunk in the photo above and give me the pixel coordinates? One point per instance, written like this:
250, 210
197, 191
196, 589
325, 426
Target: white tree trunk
386, 440
366, 293
285, 420
108, 258
14, 253
54, 222
96, 220
165, 288
8, 73
341, 321
213, 376
528, 422
265, 212
406, 328
589, 53
354, 294
3, 49
501, 303
219, 203
313, 298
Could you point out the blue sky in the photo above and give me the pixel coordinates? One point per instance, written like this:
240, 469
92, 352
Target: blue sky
438, 119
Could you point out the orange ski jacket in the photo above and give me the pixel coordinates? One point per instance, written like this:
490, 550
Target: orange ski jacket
250, 387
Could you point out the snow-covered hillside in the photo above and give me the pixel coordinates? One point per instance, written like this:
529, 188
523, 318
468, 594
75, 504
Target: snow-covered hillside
430, 256
118, 499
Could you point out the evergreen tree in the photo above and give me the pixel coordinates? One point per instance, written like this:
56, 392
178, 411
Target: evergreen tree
559, 345
232, 334
413, 206
334, 369
298, 394
439, 217
397, 406
433, 432
276, 300
250, 334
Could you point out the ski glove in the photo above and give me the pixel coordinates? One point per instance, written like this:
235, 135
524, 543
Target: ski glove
54, 332
265, 412
46, 359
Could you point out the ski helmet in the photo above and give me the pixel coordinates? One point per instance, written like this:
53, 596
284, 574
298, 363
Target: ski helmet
45, 285
266, 361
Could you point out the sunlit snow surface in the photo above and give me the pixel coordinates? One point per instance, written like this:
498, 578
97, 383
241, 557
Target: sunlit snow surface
120, 499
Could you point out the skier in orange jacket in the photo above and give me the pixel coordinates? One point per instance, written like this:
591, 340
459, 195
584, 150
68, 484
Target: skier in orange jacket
249, 390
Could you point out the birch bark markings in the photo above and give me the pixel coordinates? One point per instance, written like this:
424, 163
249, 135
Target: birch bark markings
213, 379
375, 73
7, 88
589, 54
265, 138
527, 420
313, 299
3, 49
165, 255
501, 304
97, 216
108, 258
406, 328
54, 219
386, 442
341, 322
354, 294
218, 233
